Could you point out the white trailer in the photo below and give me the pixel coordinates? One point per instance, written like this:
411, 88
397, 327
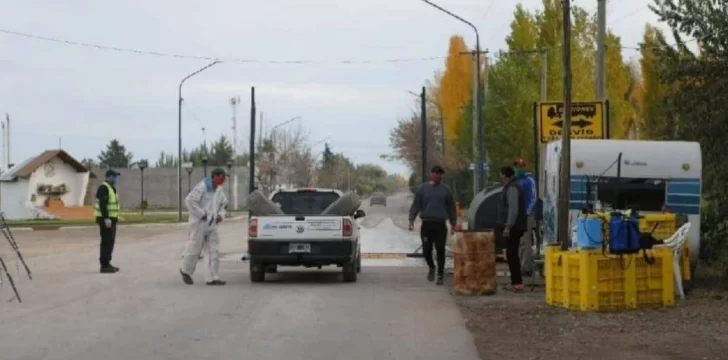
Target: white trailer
653, 175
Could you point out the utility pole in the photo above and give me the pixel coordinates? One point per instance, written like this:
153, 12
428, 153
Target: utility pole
565, 164
8, 160
423, 118
475, 118
544, 74
234, 101
601, 81
251, 161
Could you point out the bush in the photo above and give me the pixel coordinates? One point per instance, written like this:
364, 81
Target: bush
144, 205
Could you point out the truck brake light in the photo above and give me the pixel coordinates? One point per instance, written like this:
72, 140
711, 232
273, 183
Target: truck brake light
253, 228
347, 228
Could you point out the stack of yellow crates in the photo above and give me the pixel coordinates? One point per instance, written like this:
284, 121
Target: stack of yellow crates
589, 280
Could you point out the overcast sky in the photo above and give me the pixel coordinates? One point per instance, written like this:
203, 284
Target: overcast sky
86, 96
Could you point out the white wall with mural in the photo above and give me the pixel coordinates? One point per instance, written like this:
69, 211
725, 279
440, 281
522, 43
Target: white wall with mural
57, 180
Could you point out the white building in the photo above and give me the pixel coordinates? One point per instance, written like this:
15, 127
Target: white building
50, 185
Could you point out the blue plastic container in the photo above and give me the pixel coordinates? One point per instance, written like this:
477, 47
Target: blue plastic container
624, 234
589, 232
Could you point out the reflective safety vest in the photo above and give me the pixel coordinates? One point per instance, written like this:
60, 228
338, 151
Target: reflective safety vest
112, 206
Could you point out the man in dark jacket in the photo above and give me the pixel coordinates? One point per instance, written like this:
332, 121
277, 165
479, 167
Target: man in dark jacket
106, 211
435, 204
512, 223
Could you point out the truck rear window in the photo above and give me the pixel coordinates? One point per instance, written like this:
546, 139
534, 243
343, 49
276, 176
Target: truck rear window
304, 202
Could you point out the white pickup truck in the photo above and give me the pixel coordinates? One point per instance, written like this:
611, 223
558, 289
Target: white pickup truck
304, 237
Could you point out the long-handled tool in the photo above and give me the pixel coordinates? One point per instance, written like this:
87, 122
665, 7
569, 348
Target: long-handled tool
11, 239
10, 279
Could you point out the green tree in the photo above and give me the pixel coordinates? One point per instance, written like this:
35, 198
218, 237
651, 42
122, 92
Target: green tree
166, 160
221, 152
701, 82
115, 155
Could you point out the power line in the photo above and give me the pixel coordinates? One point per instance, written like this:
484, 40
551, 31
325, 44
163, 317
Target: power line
641, 45
627, 15
209, 58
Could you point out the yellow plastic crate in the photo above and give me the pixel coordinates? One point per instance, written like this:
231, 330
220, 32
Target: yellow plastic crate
668, 225
588, 280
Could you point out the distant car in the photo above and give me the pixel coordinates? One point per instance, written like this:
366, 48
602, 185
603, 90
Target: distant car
378, 199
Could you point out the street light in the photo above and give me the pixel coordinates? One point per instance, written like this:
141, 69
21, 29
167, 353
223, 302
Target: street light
230, 183
204, 165
273, 147
477, 102
189, 167
179, 138
143, 164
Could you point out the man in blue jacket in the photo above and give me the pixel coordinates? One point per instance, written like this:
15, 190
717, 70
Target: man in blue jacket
530, 194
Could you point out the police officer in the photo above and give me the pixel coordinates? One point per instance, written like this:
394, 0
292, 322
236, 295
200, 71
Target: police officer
106, 211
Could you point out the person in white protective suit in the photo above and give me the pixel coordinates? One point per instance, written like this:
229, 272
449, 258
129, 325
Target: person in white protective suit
206, 204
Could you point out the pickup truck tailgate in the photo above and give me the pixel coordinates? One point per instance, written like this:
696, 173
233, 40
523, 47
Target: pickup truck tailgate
300, 227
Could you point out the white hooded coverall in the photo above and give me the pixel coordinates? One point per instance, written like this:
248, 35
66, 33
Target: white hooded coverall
206, 202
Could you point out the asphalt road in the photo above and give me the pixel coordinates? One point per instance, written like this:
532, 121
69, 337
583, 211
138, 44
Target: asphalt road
70, 311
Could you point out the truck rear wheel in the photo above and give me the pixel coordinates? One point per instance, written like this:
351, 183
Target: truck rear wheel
349, 271
257, 272
271, 269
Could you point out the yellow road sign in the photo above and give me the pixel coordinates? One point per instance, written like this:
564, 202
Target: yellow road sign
587, 121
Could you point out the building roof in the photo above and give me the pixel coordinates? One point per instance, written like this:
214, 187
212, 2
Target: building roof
26, 168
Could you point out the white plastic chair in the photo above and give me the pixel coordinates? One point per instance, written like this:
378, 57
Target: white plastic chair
677, 243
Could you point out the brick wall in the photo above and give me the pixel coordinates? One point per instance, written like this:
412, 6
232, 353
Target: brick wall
160, 186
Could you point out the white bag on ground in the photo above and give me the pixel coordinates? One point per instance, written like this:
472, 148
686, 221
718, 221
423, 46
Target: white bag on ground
260, 205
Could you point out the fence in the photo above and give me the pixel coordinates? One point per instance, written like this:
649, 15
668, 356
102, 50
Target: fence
160, 186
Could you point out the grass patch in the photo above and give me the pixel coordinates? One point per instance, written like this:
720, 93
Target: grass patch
124, 218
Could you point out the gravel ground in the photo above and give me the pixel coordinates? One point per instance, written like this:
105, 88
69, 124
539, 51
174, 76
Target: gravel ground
521, 326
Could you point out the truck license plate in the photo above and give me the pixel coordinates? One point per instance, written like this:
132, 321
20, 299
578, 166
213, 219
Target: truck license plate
299, 248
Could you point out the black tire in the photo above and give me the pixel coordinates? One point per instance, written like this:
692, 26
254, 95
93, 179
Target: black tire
358, 263
349, 271
257, 273
271, 269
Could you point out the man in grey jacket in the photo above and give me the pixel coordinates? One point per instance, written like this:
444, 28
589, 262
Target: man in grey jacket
512, 223
435, 204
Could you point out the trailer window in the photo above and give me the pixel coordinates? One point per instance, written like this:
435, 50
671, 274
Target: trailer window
304, 202
628, 193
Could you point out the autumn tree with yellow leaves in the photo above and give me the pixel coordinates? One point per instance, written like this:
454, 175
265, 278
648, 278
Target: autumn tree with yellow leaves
455, 87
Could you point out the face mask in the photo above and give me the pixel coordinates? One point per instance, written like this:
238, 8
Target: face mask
520, 172
218, 180
114, 180
436, 178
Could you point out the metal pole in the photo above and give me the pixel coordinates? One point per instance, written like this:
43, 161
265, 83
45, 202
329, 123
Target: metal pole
565, 165
234, 101
179, 138
544, 74
423, 118
601, 81
251, 162
482, 180
478, 99
141, 204
474, 101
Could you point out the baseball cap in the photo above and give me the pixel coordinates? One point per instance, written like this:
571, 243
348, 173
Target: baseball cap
218, 171
437, 169
111, 172
519, 163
